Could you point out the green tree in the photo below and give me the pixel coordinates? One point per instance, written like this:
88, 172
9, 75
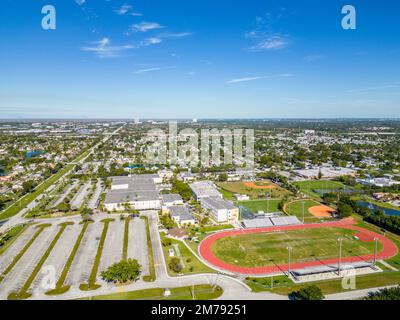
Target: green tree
122, 272
385, 294
175, 265
344, 210
308, 293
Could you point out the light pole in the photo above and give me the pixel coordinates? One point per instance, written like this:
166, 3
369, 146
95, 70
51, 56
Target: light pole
289, 251
340, 255
375, 250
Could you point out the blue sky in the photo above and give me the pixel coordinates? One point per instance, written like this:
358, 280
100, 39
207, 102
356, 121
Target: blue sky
199, 59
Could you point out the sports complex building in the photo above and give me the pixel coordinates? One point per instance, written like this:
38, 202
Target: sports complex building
137, 191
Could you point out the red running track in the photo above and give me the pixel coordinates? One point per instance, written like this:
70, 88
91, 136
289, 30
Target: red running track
389, 248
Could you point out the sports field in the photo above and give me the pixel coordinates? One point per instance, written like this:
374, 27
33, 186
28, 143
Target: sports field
296, 209
264, 249
266, 206
310, 187
256, 190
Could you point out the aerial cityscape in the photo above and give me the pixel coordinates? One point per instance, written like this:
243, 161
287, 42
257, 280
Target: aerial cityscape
250, 158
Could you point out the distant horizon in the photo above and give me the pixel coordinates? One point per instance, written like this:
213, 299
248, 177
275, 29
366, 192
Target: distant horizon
198, 119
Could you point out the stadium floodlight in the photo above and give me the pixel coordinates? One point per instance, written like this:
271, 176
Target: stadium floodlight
340, 240
375, 249
289, 251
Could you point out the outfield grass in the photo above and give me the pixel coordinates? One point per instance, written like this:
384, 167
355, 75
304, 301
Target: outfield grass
91, 285
23, 293
295, 208
152, 276
266, 249
267, 206
308, 186
192, 264
60, 288
201, 292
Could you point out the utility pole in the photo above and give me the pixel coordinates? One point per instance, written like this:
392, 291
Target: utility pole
289, 251
340, 255
375, 250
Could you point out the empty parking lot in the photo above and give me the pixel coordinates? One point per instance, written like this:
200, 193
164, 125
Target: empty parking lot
34, 249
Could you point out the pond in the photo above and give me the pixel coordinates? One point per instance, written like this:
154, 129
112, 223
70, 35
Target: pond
136, 166
31, 154
374, 207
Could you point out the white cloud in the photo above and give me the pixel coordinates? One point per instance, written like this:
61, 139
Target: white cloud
123, 9
104, 49
175, 35
265, 37
246, 79
80, 2
275, 42
150, 41
142, 71
144, 27
126, 9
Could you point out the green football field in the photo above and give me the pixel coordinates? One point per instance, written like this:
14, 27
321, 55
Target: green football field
265, 249
309, 186
266, 206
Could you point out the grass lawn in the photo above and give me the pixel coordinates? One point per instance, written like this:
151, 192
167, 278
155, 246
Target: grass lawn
267, 206
201, 292
265, 249
295, 208
335, 286
192, 264
309, 186
254, 193
227, 194
208, 229
268, 283
152, 276
91, 285
126, 238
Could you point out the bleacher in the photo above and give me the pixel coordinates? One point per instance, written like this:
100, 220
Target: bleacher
270, 222
285, 221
